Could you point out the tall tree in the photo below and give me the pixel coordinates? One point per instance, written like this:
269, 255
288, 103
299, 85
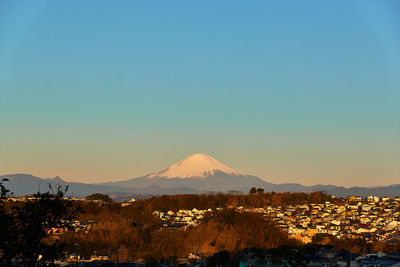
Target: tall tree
6, 231
34, 222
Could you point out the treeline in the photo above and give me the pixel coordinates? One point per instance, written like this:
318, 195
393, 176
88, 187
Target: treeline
99, 197
141, 210
257, 200
223, 230
132, 232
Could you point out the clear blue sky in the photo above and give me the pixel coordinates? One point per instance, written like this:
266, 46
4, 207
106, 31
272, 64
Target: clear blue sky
290, 91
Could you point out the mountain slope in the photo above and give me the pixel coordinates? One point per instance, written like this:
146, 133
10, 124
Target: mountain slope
202, 172
26, 184
195, 166
219, 181
199, 173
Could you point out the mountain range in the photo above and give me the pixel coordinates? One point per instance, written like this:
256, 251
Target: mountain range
198, 173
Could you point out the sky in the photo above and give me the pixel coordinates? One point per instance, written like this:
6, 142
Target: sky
289, 91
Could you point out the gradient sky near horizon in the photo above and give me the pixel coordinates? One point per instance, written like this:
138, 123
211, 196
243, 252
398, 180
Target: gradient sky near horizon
289, 91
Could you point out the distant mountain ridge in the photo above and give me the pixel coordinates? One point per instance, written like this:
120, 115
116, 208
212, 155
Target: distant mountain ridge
199, 173
219, 181
27, 184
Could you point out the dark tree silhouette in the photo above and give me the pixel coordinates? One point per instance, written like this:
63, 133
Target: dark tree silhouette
253, 190
33, 223
98, 196
219, 259
260, 190
6, 231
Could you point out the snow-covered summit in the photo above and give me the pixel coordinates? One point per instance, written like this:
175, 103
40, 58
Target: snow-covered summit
196, 165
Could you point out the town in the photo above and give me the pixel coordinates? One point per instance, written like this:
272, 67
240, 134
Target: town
372, 219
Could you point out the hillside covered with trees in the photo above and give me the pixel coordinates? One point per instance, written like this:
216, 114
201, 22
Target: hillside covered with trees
63, 227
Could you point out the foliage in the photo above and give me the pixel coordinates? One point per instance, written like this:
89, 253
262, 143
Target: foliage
205, 201
98, 196
32, 223
133, 232
6, 231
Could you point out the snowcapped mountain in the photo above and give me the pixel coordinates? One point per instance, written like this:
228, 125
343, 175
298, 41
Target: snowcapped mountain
195, 166
200, 172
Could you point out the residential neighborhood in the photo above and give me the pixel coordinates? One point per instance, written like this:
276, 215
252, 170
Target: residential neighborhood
371, 219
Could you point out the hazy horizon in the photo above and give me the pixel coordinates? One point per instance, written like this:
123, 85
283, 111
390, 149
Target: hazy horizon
290, 92
108, 179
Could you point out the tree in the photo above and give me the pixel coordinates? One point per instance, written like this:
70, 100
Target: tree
98, 196
4, 192
260, 190
253, 190
33, 223
6, 231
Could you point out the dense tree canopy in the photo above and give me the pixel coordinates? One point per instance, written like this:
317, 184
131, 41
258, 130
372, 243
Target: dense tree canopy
132, 231
28, 235
98, 196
